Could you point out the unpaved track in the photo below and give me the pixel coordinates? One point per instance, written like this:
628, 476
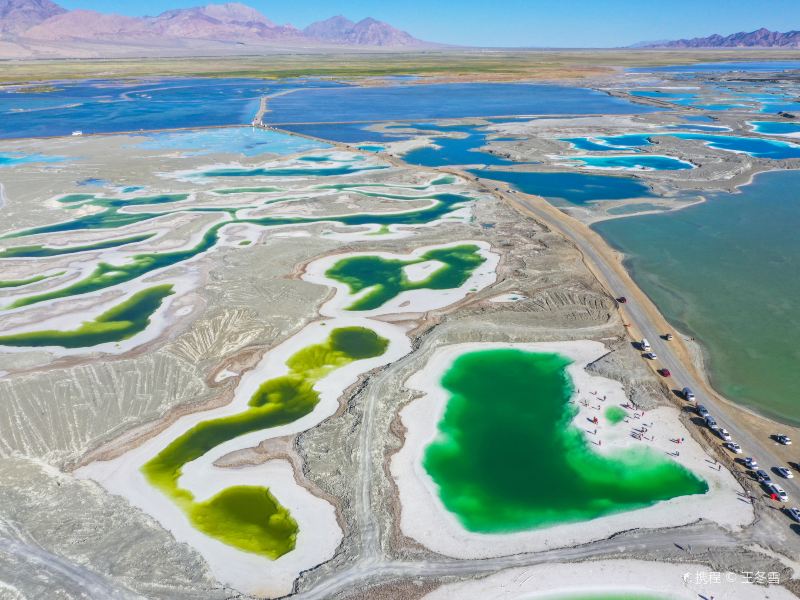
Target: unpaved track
642, 542
69, 576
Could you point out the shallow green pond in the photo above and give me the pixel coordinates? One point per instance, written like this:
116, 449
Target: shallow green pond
116, 324
385, 278
249, 517
507, 457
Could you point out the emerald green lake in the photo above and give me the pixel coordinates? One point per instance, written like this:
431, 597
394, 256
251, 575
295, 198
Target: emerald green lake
116, 324
728, 272
507, 457
249, 517
385, 278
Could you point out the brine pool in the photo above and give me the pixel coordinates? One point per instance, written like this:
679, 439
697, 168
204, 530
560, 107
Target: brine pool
508, 458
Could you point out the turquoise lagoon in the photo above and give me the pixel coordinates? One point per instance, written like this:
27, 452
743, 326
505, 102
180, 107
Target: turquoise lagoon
106, 106
727, 271
572, 188
775, 127
10, 160
441, 101
245, 141
755, 147
633, 162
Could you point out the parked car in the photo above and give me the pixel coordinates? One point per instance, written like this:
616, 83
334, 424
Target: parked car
794, 513
702, 410
784, 472
734, 447
668, 337
622, 299
763, 477
664, 372
778, 491
688, 394
783, 439
723, 433
751, 463
650, 355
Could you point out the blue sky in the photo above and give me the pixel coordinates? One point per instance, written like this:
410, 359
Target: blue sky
542, 23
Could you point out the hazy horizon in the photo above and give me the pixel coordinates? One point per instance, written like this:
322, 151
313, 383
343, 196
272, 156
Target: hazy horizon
535, 23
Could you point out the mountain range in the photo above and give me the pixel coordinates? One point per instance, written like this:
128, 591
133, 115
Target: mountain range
44, 28
760, 38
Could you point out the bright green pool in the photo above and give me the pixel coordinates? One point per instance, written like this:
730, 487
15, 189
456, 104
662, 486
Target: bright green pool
385, 278
250, 517
507, 457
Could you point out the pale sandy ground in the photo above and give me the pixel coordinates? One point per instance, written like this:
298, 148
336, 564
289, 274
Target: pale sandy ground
559, 581
589, 123
425, 519
319, 531
422, 300
510, 297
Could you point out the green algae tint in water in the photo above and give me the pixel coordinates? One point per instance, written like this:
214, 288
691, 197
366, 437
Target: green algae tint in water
249, 517
507, 457
615, 414
116, 324
385, 277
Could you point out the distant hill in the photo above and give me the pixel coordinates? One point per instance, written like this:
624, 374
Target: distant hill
42, 28
760, 38
367, 32
19, 15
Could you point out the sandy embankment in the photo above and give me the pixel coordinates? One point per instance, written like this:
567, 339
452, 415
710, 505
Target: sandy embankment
618, 577
425, 519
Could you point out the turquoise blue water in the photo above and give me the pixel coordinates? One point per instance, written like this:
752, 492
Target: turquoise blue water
245, 141
102, 106
455, 151
610, 143
757, 147
728, 272
574, 188
347, 133
9, 160
441, 101
775, 127
371, 148
633, 162
754, 66
688, 99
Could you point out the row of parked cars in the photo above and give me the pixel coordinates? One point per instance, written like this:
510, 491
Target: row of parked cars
774, 490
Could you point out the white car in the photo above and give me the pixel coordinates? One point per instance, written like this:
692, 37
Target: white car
778, 491
794, 513
784, 439
650, 355
734, 447
784, 472
723, 433
751, 463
